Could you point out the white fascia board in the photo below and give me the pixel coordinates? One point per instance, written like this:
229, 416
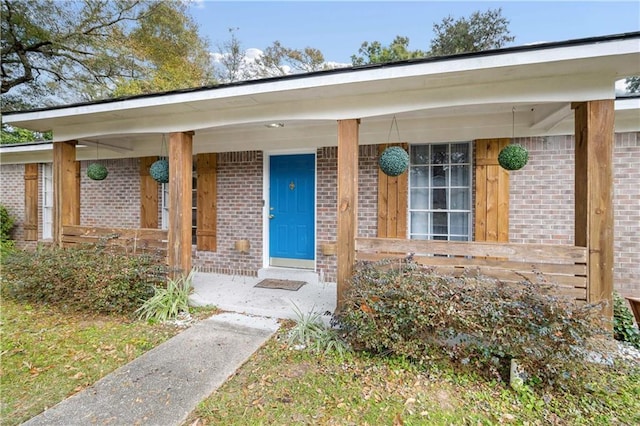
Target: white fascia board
382, 73
627, 104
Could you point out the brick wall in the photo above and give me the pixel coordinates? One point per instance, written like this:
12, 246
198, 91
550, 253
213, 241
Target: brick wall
115, 201
12, 197
542, 201
239, 188
326, 203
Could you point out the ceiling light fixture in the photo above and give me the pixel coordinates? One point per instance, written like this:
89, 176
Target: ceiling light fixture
274, 125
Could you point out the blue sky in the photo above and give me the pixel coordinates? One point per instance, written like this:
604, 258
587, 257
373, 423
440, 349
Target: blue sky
338, 28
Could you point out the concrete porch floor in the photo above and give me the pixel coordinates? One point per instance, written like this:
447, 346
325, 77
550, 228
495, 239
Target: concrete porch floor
237, 294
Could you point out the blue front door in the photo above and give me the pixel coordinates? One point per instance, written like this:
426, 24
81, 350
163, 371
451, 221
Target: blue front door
291, 209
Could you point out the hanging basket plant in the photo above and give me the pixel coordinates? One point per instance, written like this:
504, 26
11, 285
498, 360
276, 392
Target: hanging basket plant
159, 171
97, 171
394, 161
513, 157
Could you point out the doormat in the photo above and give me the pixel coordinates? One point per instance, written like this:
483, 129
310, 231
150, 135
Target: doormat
280, 284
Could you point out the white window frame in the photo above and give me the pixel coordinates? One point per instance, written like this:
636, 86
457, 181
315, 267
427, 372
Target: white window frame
430, 234
47, 207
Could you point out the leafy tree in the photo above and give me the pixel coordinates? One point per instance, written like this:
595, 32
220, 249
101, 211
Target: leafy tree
376, 53
169, 53
481, 31
280, 60
58, 51
231, 60
633, 84
10, 134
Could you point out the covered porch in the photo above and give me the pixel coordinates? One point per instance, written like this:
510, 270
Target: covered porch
488, 98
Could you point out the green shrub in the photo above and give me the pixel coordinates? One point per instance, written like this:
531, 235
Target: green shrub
168, 301
6, 224
81, 279
404, 309
623, 328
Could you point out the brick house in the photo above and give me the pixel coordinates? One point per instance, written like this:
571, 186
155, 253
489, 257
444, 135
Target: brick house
283, 172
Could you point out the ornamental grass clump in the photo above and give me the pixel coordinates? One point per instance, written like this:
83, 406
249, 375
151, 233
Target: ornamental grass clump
168, 301
404, 309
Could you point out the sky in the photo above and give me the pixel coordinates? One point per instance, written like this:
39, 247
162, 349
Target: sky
338, 28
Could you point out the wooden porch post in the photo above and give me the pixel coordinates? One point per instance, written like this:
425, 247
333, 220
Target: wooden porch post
66, 191
347, 203
180, 194
594, 134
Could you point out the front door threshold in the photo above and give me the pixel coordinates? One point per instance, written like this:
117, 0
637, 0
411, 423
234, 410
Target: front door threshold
283, 262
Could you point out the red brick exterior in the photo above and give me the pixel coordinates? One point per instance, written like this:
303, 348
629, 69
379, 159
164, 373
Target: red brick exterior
541, 203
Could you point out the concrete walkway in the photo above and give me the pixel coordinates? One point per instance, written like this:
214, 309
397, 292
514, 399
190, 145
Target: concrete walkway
164, 385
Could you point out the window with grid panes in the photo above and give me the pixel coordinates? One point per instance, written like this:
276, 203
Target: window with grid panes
440, 192
47, 200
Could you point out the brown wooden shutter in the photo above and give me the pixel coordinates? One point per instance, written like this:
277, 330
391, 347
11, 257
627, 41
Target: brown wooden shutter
492, 192
392, 201
148, 195
206, 201
31, 202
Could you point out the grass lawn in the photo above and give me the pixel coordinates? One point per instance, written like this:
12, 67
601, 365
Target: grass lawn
47, 355
280, 386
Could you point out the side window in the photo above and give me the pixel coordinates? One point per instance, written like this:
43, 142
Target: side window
440, 192
47, 200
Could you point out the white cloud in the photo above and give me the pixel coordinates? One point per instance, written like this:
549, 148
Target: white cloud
198, 4
621, 87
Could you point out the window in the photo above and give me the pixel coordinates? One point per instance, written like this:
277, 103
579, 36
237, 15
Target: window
194, 197
47, 200
440, 192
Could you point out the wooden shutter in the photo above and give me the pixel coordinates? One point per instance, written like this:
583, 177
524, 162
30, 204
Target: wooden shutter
392, 201
492, 192
206, 201
31, 202
148, 195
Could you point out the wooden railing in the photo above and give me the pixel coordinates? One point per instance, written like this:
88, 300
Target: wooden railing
565, 266
149, 241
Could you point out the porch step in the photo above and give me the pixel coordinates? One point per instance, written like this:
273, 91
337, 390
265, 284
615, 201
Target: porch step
293, 274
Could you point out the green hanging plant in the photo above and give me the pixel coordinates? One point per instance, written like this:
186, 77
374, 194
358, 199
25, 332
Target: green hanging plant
159, 171
394, 161
97, 171
513, 157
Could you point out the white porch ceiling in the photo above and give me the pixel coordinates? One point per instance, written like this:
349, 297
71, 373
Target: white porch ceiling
458, 98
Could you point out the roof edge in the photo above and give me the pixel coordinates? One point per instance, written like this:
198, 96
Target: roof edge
500, 51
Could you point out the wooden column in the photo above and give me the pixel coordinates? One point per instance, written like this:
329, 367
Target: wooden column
347, 203
66, 189
594, 128
31, 202
148, 195
180, 194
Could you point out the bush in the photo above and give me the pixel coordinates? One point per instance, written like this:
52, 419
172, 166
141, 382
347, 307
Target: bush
623, 328
407, 310
6, 224
81, 279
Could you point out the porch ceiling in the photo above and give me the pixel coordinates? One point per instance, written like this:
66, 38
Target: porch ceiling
456, 98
